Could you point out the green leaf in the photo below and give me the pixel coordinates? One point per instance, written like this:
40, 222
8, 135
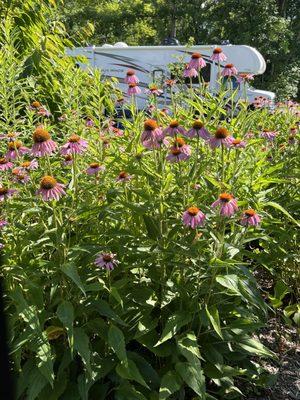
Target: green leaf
117, 342
170, 384
280, 291
126, 391
36, 382
188, 347
104, 309
230, 282
283, 210
253, 346
213, 315
131, 372
70, 270
81, 345
193, 377
173, 325
65, 313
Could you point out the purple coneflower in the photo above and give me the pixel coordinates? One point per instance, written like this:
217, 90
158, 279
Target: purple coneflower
35, 105
174, 129
221, 137
250, 217
229, 70
238, 143
189, 72
198, 130
75, 145
5, 164
43, 144
133, 89
106, 261
50, 189
44, 112
193, 217
243, 78
68, 159
131, 77
218, 55
16, 149
196, 62
6, 193
228, 204
94, 168
29, 165
123, 177
269, 135
180, 151
89, 123
154, 91
151, 129
20, 176
170, 82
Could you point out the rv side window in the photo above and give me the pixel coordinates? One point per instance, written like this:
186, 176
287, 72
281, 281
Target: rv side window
158, 76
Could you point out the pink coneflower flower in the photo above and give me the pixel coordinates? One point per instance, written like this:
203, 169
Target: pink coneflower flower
198, 130
249, 135
16, 149
5, 164
106, 261
43, 144
170, 82
238, 143
89, 123
229, 70
174, 129
221, 137
133, 89
44, 112
154, 90
269, 135
193, 217
50, 189
6, 193
227, 203
29, 165
35, 105
68, 159
75, 145
156, 141
123, 177
20, 176
131, 77
10, 137
250, 217
151, 130
180, 151
196, 62
94, 168
218, 55
293, 130
117, 131
243, 78
180, 143
190, 72
3, 223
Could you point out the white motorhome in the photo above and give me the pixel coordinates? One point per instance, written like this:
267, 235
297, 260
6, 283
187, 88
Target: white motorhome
151, 64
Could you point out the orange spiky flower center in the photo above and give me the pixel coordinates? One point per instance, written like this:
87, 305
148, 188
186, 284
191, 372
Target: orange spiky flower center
68, 157
225, 197
236, 141
176, 152
221, 133
217, 50
74, 138
229, 66
123, 175
3, 160
107, 257
130, 72
179, 142
26, 164
174, 124
153, 88
48, 182
196, 56
14, 145
94, 165
36, 104
250, 212
198, 124
3, 191
150, 125
41, 135
193, 211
